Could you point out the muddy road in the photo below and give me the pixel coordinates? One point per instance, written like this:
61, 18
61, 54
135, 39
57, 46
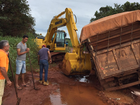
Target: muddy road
63, 90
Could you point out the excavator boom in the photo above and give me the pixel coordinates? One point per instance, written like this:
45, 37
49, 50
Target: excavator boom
75, 62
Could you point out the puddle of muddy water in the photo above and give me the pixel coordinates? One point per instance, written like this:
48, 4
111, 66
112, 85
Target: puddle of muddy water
56, 99
81, 78
84, 79
73, 95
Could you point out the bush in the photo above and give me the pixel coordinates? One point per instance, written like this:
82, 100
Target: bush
69, 42
1, 34
13, 41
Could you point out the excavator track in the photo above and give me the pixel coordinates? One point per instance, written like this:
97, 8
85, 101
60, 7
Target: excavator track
57, 56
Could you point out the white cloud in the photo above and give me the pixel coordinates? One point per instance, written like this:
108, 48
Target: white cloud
44, 10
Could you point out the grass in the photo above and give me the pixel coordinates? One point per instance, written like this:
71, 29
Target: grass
13, 41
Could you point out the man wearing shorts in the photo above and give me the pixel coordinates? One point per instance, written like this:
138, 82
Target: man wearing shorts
4, 63
21, 60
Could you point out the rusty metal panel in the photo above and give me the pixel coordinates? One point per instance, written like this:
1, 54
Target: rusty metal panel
136, 48
126, 57
107, 64
115, 37
117, 60
123, 86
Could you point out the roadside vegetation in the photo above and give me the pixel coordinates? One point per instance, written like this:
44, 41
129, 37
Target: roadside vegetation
13, 41
16, 21
69, 46
15, 18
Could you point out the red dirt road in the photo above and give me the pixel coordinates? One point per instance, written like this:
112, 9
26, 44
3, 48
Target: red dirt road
62, 90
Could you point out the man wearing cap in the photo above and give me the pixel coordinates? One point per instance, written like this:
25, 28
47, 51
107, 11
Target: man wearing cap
43, 57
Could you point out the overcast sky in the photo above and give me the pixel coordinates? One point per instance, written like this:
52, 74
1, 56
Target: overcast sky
44, 10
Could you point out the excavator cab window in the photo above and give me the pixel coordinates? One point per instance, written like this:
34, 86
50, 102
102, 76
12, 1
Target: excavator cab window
60, 39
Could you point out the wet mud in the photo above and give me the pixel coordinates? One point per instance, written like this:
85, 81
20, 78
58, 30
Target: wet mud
74, 95
67, 90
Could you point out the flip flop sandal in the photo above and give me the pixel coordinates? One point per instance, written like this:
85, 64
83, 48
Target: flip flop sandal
25, 85
19, 88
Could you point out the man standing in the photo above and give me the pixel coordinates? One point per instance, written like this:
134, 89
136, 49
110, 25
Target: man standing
43, 57
4, 63
21, 60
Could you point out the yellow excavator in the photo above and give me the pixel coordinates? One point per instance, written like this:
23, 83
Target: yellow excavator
75, 62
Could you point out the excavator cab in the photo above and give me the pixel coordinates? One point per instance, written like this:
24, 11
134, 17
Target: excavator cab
60, 38
56, 43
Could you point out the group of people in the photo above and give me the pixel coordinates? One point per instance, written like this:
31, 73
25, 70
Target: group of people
43, 57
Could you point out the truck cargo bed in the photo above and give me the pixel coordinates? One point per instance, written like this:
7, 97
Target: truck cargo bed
114, 45
119, 66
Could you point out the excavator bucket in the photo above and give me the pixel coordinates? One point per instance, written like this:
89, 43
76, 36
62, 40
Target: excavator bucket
72, 65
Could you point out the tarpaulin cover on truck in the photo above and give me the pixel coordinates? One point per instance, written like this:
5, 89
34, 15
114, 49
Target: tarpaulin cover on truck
109, 23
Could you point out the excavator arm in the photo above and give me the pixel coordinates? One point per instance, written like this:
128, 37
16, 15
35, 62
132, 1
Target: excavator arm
69, 22
75, 62
56, 22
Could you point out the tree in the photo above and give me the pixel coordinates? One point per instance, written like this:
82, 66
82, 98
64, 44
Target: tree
15, 17
108, 10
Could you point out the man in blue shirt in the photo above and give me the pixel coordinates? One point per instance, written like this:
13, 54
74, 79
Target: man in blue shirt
43, 57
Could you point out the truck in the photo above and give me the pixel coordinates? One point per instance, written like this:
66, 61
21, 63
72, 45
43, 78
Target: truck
114, 46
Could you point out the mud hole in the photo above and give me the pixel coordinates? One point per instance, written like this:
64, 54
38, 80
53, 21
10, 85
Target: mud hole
72, 90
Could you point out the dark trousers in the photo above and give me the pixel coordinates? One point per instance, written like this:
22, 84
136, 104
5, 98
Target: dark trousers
44, 65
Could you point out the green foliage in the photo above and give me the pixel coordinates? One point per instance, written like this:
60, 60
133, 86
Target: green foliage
108, 10
13, 41
15, 18
68, 49
1, 33
69, 42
